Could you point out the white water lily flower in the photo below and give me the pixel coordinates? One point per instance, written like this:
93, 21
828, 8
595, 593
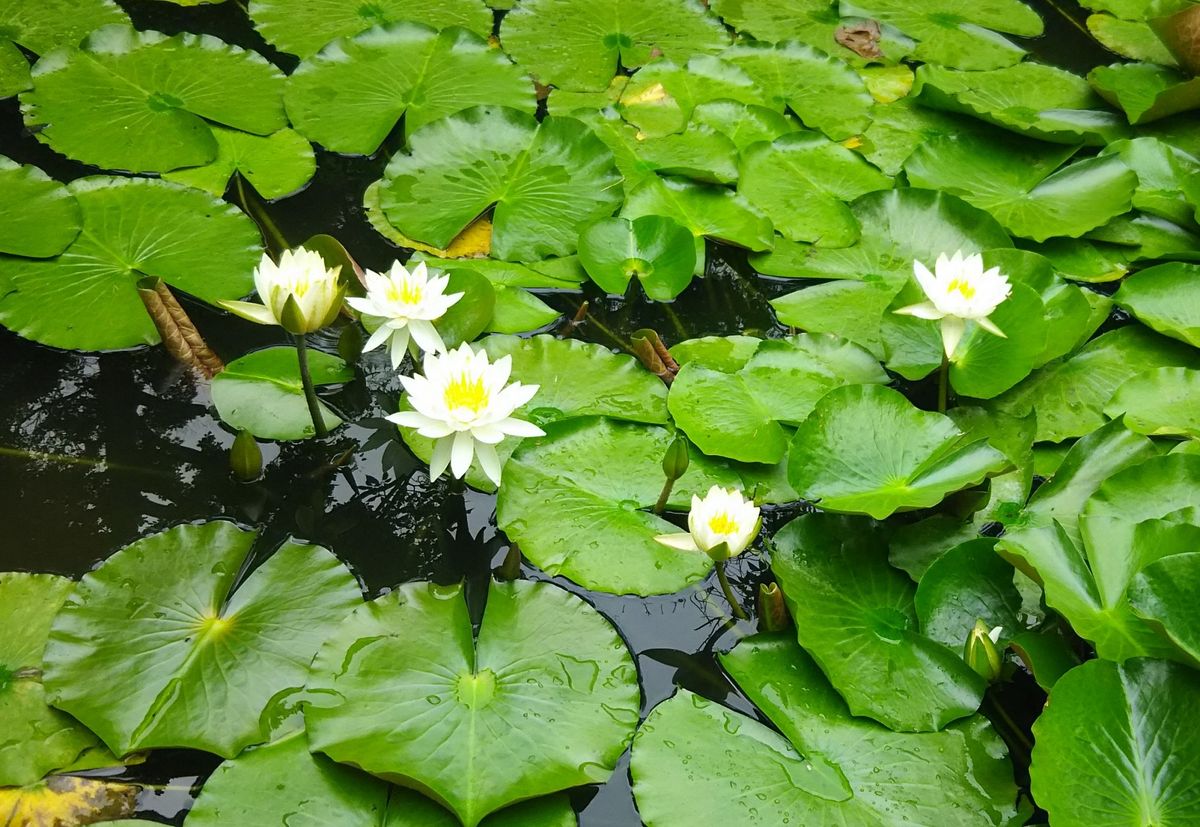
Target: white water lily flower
299, 293
722, 525
960, 291
407, 304
466, 404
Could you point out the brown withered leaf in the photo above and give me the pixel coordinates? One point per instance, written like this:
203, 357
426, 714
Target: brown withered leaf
860, 38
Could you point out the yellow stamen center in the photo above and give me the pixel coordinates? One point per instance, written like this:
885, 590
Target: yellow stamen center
962, 287
407, 292
464, 392
722, 524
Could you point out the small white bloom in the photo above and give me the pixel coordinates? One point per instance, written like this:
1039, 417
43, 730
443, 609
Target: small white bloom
722, 525
299, 293
995, 633
406, 304
960, 291
466, 405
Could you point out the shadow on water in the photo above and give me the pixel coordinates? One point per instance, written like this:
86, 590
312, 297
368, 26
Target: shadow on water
99, 450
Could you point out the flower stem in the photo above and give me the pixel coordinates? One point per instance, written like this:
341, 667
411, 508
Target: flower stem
310, 392
738, 611
943, 383
664, 496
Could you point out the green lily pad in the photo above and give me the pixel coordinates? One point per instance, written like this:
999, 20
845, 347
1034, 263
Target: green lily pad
802, 181
1024, 184
658, 251
579, 44
661, 98
276, 165
1129, 38
814, 22
86, 298
1159, 402
262, 392
195, 663
743, 123
835, 567
519, 311
1138, 757
1036, 100
740, 413
282, 784
407, 677
143, 102
898, 128
726, 353
14, 70
827, 767
1164, 177
1146, 237
1069, 395
577, 514
914, 459
37, 739
43, 26
545, 180
335, 98
699, 152
825, 93
1164, 594
969, 582
38, 216
302, 27
1167, 299
1145, 91
956, 33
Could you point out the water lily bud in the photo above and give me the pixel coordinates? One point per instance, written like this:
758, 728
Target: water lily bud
245, 457
299, 293
772, 611
722, 524
510, 569
981, 653
675, 463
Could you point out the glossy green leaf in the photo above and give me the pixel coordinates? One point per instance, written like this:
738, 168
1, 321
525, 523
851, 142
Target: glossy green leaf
336, 99
744, 124
827, 767
836, 567
14, 70
577, 514
698, 152
143, 102
43, 25
727, 353
1031, 98
969, 582
898, 128
580, 44
87, 297
1167, 299
1159, 402
1115, 746
1145, 91
544, 698
37, 739
302, 27
1164, 594
195, 662
802, 181
1129, 38
276, 165
38, 216
1024, 184
519, 311
956, 32
262, 393
658, 251
1164, 177
661, 98
814, 22
544, 179
913, 460
1087, 261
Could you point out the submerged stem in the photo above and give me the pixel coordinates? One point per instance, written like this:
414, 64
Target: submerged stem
943, 382
257, 212
310, 392
738, 611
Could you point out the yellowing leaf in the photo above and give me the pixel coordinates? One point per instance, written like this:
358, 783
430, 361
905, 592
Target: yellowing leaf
66, 801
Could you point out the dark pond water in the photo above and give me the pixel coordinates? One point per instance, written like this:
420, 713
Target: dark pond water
98, 450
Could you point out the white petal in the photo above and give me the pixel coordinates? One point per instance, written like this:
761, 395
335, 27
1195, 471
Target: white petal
426, 336
488, 461
681, 541
924, 310
952, 333
990, 327
440, 458
925, 278
461, 454
518, 427
399, 347
377, 338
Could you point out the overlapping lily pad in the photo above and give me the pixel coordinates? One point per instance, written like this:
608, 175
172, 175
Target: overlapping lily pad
814, 22
658, 251
827, 766
336, 99
38, 216
143, 102
545, 180
542, 699
275, 165
1165, 177
661, 98
969, 582
1145, 92
579, 44
1159, 402
86, 298
43, 26
1129, 38
578, 514
303, 27
195, 662
1167, 299
1163, 593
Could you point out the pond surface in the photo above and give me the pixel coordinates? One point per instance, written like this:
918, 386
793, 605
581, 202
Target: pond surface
99, 450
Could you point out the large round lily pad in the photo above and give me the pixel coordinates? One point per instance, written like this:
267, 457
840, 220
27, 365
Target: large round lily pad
1165, 298
1116, 746
544, 698
577, 512
196, 663
38, 215
142, 101
37, 739
336, 99
913, 459
87, 297
579, 44
696, 762
837, 567
544, 179
302, 27
657, 250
